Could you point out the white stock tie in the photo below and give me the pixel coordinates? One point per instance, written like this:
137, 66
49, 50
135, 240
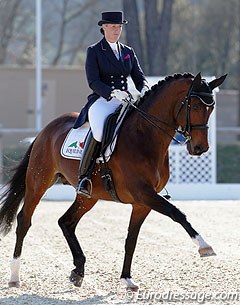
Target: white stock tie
116, 53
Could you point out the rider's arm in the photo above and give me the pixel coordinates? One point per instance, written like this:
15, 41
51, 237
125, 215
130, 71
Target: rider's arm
137, 74
93, 75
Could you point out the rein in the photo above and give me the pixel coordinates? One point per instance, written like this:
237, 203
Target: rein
187, 129
150, 119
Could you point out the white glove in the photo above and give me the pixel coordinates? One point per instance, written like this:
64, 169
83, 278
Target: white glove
119, 95
143, 91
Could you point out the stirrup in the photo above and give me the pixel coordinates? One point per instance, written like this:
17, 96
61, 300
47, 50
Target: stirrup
82, 190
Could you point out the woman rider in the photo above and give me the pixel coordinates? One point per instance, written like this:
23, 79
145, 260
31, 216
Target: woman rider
108, 64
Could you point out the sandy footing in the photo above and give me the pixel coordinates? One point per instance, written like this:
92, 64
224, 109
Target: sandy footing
166, 263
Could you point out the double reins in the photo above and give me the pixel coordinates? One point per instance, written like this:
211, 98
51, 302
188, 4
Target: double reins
188, 126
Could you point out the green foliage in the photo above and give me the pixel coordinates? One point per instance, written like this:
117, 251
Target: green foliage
11, 158
228, 163
204, 37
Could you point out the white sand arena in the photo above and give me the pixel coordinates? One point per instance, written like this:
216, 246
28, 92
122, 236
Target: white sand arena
166, 263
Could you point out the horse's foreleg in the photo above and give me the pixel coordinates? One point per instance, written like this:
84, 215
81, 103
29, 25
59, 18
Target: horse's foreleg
68, 223
151, 199
139, 213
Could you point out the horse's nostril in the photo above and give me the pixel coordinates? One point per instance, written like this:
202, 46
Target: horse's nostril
198, 149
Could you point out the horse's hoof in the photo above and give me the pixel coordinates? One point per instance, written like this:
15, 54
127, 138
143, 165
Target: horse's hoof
132, 288
76, 279
129, 284
14, 284
205, 252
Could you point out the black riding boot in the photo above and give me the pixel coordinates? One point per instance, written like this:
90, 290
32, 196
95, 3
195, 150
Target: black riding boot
90, 153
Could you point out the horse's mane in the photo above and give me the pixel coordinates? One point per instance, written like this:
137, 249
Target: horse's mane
155, 88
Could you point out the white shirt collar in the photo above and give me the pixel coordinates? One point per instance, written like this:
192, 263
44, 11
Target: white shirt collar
113, 45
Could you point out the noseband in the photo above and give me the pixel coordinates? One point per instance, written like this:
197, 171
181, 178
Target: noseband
186, 132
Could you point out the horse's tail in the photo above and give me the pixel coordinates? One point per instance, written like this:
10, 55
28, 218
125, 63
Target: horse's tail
12, 196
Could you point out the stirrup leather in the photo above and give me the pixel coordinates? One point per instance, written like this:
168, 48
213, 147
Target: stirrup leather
82, 190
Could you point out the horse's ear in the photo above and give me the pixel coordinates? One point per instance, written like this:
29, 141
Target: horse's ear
197, 81
217, 82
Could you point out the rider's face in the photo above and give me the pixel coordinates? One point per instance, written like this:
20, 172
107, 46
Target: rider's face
112, 31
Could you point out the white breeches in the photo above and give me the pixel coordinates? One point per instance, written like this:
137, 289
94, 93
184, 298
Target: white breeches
98, 113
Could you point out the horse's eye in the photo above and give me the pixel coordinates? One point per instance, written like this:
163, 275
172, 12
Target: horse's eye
196, 107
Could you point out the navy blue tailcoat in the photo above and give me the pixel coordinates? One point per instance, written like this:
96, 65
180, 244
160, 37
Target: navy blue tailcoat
105, 73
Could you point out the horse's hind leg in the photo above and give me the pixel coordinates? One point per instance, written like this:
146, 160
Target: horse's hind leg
34, 192
139, 214
23, 225
68, 223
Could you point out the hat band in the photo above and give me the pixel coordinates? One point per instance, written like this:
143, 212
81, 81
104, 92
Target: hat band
101, 22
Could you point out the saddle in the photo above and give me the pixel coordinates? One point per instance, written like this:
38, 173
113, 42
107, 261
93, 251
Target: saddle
113, 126
111, 129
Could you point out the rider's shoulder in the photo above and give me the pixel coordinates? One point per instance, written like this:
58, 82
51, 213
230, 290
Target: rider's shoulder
99, 44
92, 46
127, 48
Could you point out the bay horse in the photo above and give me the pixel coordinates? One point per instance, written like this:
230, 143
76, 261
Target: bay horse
139, 163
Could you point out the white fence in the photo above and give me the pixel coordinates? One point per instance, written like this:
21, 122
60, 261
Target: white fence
194, 169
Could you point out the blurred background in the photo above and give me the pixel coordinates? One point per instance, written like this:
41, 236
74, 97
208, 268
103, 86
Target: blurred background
169, 36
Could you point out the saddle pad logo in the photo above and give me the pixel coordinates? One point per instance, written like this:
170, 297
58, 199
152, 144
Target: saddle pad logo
74, 144
72, 147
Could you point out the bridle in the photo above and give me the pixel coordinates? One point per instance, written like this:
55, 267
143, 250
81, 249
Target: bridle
187, 102
186, 131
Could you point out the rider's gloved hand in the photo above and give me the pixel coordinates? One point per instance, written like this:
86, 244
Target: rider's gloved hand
119, 95
144, 90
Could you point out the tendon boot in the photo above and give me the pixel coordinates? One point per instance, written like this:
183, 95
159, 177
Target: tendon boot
90, 153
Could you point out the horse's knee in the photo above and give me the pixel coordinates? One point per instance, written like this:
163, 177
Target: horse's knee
62, 223
65, 225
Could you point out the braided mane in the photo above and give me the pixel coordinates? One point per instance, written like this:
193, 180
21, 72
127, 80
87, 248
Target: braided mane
155, 88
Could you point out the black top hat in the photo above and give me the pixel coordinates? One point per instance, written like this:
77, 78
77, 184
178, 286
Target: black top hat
112, 17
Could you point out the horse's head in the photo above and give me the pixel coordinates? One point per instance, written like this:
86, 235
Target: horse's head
195, 111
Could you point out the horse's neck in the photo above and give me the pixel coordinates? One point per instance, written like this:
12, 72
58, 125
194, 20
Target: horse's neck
141, 135
163, 108
163, 105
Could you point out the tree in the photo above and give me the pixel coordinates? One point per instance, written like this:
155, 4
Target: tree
8, 15
157, 24
69, 11
69, 27
157, 27
168, 36
133, 36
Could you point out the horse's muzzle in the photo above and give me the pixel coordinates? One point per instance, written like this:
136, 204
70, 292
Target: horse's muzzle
196, 150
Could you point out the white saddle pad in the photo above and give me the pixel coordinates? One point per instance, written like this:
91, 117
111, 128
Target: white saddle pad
73, 144
72, 147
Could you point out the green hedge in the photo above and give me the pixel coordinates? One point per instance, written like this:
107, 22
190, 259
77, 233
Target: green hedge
228, 163
11, 158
